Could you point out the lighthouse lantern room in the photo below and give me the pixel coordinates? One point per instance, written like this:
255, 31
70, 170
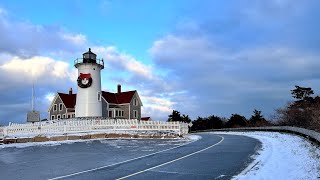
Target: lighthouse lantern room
88, 101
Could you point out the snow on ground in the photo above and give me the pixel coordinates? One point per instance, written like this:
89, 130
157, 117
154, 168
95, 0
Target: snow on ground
283, 156
193, 137
188, 138
129, 132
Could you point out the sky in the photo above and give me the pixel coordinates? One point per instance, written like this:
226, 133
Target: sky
198, 57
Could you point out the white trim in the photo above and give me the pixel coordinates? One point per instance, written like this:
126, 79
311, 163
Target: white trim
54, 100
110, 110
61, 106
129, 112
136, 94
134, 114
135, 101
123, 104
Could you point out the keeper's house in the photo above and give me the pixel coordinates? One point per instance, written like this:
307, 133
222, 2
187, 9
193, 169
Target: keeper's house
120, 105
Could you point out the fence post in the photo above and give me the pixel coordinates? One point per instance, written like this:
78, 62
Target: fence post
91, 125
158, 125
64, 128
5, 131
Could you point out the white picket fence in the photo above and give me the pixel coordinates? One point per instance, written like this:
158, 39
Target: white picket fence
92, 125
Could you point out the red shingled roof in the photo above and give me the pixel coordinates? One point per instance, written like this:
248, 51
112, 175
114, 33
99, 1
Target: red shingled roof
124, 97
69, 100
118, 98
145, 118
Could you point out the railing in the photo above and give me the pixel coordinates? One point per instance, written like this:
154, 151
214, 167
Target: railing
312, 135
93, 125
97, 61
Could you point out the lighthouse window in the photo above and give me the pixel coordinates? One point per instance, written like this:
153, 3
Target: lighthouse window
99, 96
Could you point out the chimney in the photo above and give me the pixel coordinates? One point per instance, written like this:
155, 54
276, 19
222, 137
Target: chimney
70, 91
119, 88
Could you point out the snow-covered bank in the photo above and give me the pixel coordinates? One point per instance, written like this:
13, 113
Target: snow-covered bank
283, 156
187, 138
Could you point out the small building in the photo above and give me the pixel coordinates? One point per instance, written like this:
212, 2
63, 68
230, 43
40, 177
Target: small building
146, 119
120, 105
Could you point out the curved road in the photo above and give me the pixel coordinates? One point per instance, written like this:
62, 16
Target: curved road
212, 157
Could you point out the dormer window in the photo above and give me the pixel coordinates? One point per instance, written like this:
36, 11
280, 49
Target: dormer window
135, 102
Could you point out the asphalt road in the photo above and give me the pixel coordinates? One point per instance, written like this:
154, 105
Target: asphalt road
211, 157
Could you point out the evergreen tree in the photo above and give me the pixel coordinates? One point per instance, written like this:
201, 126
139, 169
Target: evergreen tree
257, 119
236, 120
175, 116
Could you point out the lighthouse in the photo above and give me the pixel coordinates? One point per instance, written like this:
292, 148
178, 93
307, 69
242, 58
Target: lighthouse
88, 101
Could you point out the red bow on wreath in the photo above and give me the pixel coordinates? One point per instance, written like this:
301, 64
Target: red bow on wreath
84, 76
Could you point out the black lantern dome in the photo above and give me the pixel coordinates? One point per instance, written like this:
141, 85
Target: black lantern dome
89, 57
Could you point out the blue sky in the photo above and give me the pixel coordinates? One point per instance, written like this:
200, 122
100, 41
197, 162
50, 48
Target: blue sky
198, 57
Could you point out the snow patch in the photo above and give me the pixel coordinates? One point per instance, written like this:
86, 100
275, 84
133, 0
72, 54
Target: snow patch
193, 137
283, 156
47, 143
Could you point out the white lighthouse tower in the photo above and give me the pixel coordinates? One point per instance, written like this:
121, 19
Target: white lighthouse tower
88, 102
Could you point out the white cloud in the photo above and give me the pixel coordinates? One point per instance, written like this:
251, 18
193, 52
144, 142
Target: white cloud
124, 61
43, 69
77, 39
162, 105
222, 81
49, 97
156, 107
3, 11
22, 38
183, 49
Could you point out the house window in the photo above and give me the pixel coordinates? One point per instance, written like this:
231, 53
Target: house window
110, 113
73, 115
55, 107
135, 102
116, 113
52, 117
69, 116
63, 116
58, 116
135, 113
121, 113
60, 107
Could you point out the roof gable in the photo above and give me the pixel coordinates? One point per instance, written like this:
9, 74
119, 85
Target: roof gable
118, 98
69, 100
